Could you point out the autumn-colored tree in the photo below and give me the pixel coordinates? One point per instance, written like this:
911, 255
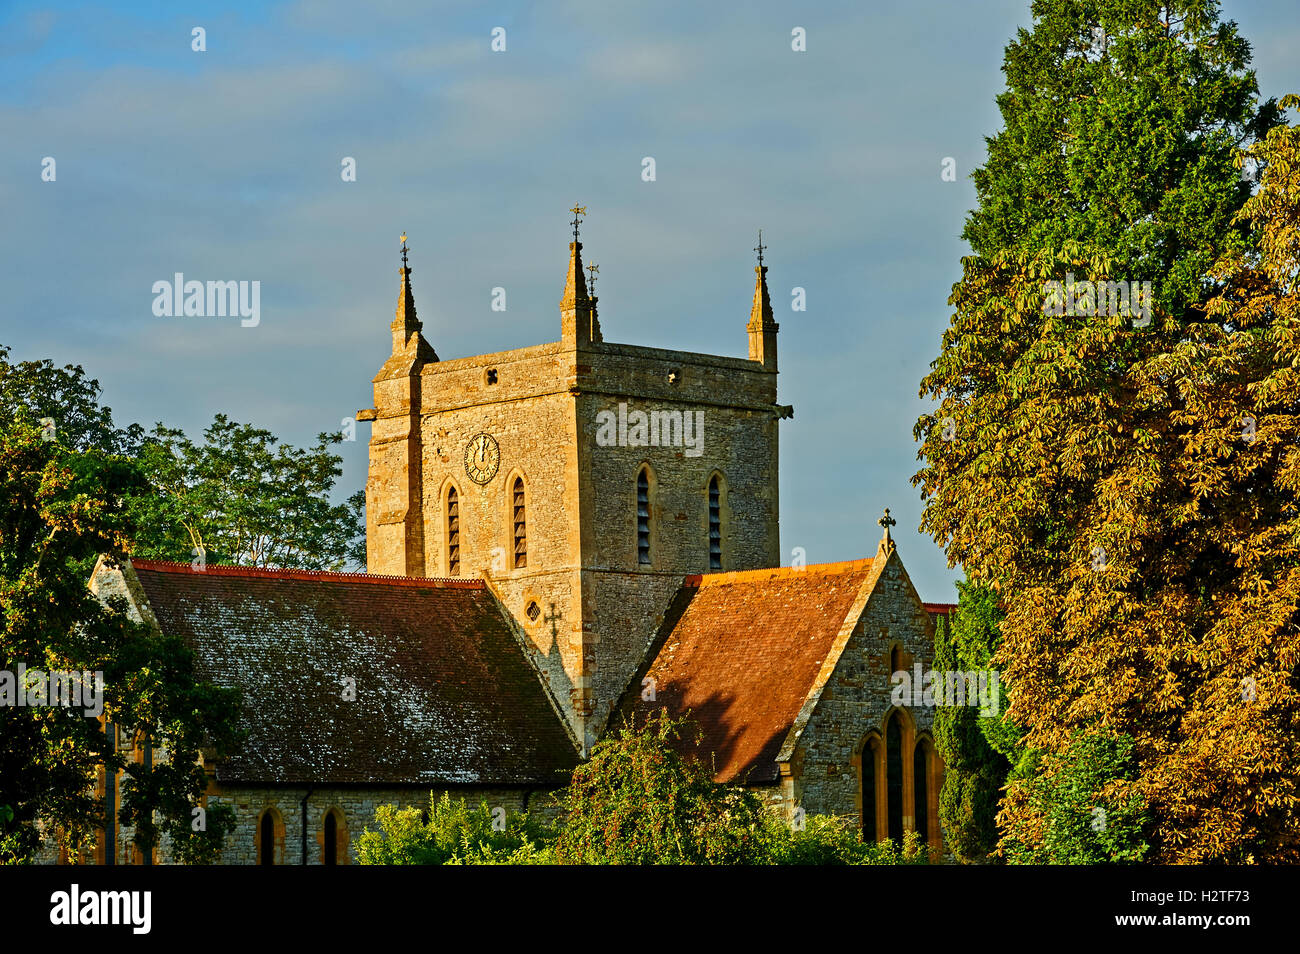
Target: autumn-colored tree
1137, 490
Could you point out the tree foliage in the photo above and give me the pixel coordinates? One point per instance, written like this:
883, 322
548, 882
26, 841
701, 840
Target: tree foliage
450, 832
1121, 122
69, 401
637, 801
977, 750
1141, 532
59, 509
244, 497
1082, 808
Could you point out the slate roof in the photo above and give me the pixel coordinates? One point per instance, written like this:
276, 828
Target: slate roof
742, 651
444, 693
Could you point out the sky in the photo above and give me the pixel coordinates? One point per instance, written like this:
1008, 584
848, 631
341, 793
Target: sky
226, 164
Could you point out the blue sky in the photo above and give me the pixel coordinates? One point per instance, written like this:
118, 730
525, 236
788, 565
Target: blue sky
225, 165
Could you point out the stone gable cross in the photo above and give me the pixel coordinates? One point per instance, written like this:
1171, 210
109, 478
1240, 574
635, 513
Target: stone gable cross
887, 521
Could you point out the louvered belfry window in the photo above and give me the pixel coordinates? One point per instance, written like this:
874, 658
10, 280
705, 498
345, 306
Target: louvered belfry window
715, 525
520, 522
453, 533
643, 518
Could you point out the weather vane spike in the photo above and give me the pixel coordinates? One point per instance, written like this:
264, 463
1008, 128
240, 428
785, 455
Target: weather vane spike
578, 212
403, 249
759, 248
593, 268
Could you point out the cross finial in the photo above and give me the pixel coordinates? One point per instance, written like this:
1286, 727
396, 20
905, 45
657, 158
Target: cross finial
759, 248
403, 249
887, 521
578, 212
592, 269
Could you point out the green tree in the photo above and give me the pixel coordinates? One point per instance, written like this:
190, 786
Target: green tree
638, 801
1084, 809
59, 509
1121, 125
977, 750
243, 497
69, 402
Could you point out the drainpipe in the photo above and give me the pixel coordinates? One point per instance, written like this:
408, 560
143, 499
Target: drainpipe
310, 788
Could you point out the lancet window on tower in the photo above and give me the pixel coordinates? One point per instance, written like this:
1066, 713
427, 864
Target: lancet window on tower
453, 532
643, 517
520, 524
715, 524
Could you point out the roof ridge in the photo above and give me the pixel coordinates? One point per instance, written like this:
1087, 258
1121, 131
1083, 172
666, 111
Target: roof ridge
262, 573
778, 572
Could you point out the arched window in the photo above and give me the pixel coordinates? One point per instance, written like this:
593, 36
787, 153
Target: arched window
333, 837
270, 837
894, 775
896, 659
330, 854
870, 753
453, 532
715, 523
920, 775
643, 517
520, 523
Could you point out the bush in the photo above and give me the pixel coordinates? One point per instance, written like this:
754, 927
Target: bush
453, 833
638, 801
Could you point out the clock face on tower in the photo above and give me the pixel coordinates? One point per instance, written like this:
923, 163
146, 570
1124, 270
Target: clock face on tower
482, 458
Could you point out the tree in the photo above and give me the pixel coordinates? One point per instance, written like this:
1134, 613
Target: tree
1121, 122
1136, 530
977, 750
1140, 531
1082, 807
637, 801
69, 402
59, 509
243, 497
240, 497
640, 801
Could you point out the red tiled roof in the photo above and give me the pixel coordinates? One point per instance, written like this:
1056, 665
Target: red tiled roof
939, 609
444, 693
742, 651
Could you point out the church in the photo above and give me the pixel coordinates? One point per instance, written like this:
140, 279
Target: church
559, 538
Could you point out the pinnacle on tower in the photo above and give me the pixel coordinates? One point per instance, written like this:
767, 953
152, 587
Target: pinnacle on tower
762, 327
406, 326
578, 322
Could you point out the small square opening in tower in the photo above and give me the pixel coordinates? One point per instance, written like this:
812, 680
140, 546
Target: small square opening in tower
491, 375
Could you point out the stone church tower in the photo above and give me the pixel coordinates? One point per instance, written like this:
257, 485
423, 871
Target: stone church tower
581, 479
